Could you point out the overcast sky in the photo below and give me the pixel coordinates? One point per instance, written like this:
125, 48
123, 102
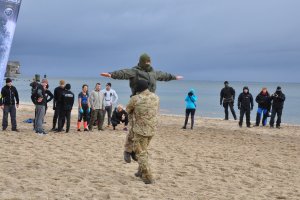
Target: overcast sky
257, 40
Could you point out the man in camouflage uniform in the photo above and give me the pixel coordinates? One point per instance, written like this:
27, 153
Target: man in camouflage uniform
143, 71
143, 110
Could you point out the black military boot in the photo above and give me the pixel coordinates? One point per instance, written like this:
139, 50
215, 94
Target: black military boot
148, 181
127, 157
133, 156
138, 173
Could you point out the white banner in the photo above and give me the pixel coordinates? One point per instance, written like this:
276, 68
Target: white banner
9, 11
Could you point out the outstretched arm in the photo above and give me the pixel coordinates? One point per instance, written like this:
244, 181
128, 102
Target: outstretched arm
123, 74
164, 76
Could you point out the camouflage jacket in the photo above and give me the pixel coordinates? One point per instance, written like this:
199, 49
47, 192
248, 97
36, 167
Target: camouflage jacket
138, 73
143, 112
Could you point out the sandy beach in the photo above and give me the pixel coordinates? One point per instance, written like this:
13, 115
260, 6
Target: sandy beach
216, 160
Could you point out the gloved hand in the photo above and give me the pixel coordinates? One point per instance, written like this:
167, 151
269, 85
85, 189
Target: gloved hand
89, 110
81, 110
252, 108
220, 103
239, 107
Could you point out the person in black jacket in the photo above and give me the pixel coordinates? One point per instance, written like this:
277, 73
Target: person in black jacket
67, 102
9, 101
49, 97
227, 97
245, 105
264, 106
119, 116
57, 104
39, 99
277, 99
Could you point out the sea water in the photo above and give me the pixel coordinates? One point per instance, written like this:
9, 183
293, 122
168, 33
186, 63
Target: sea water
173, 93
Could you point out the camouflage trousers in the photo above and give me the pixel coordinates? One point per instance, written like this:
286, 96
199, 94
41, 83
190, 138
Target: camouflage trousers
129, 141
140, 146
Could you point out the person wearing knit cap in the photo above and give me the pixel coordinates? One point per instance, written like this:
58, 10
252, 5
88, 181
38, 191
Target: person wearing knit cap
143, 114
278, 99
143, 71
227, 96
67, 102
245, 105
57, 103
39, 99
9, 101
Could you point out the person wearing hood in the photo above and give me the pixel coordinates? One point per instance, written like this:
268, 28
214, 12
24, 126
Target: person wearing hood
245, 105
277, 99
264, 105
143, 71
190, 102
227, 96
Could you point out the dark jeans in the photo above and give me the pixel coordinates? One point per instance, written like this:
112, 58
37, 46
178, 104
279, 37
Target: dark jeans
262, 112
97, 115
11, 109
275, 111
64, 115
187, 114
55, 117
108, 110
226, 105
244, 111
116, 122
85, 115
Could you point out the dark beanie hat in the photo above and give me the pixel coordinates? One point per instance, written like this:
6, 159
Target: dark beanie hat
226, 82
8, 80
278, 88
68, 86
141, 86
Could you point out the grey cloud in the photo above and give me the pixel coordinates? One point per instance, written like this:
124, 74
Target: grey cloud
207, 40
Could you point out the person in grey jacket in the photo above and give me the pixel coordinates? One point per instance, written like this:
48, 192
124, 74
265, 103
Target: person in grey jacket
97, 105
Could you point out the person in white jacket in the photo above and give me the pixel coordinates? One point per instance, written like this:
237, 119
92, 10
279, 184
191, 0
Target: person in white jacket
97, 104
111, 99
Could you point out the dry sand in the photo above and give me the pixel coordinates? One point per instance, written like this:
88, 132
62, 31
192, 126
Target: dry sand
216, 160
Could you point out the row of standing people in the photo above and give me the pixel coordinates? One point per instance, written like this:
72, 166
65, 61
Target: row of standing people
92, 108
268, 105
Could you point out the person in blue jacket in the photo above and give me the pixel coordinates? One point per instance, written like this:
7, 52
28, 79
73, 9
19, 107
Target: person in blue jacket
190, 102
